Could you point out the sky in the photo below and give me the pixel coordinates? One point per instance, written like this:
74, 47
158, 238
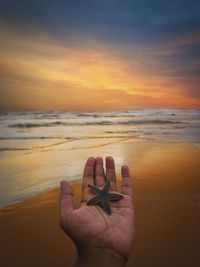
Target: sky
99, 54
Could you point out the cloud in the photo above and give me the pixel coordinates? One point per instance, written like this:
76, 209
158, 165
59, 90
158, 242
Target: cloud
121, 53
111, 21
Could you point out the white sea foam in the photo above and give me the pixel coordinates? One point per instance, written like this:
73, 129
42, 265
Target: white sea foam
38, 149
170, 125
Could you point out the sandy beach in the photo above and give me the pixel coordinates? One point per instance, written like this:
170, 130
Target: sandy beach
166, 189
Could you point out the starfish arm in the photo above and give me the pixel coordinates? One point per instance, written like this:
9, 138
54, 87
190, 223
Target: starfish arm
106, 204
106, 186
94, 189
94, 200
113, 196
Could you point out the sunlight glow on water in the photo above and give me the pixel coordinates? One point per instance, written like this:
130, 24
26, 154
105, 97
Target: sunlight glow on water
38, 149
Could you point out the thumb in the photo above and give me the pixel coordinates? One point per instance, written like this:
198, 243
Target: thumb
66, 198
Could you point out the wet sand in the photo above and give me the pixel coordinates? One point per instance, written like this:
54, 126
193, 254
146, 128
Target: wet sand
166, 186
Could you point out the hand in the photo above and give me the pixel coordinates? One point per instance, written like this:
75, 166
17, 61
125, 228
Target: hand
100, 238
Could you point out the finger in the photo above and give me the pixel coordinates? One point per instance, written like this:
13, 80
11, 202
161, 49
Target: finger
88, 178
110, 173
99, 172
126, 181
66, 198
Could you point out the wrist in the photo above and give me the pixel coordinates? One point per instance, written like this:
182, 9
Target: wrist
99, 257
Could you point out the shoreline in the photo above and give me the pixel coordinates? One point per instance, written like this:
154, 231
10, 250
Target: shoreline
138, 146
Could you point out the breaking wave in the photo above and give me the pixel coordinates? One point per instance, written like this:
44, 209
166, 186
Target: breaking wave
56, 123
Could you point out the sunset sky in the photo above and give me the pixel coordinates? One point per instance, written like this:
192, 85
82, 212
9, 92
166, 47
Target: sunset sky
99, 54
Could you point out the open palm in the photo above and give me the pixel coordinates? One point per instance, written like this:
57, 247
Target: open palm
90, 226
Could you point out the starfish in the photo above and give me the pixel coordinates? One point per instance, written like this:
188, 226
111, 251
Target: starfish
103, 196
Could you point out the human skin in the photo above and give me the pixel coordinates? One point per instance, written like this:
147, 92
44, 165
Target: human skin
100, 238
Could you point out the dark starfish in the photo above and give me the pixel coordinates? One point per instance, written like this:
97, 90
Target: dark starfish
103, 196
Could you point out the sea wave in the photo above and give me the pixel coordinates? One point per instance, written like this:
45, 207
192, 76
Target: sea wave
35, 137
106, 115
56, 123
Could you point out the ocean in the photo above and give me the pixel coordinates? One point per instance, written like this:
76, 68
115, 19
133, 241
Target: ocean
39, 148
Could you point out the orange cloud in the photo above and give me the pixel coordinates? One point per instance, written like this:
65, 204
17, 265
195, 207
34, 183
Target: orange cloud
39, 73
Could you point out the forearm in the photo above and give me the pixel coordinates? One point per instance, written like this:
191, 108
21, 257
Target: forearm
99, 257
